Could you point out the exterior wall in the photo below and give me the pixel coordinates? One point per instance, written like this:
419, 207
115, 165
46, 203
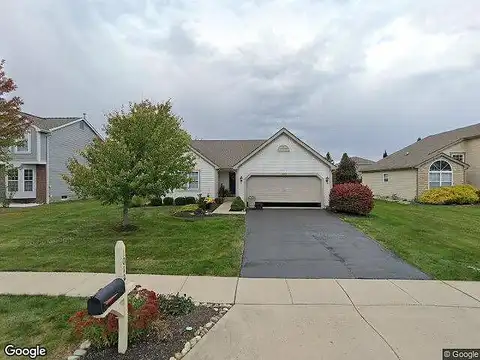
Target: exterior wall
208, 178
403, 183
298, 161
458, 174
460, 148
41, 184
64, 144
43, 147
3, 189
32, 156
473, 159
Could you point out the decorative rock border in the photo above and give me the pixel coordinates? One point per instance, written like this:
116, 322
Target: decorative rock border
221, 309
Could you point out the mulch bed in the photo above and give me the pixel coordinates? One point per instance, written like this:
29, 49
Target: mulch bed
160, 347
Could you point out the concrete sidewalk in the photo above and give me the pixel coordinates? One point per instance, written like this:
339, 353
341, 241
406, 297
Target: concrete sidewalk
258, 291
305, 319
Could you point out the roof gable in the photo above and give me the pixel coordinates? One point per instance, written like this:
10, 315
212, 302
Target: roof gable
417, 153
279, 133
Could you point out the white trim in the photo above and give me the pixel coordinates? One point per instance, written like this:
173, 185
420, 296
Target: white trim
196, 152
283, 131
47, 171
383, 177
28, 137
39, 146
440, 172
198, 181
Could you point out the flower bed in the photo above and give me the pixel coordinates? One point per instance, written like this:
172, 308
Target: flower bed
163, 327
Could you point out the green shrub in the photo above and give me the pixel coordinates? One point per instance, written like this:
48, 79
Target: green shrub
447, 195
180, 201
237, 204
190, 200
138, 201
351, 198
201, 202
176, 305
219, 201
185, 208
168, 201
156, 201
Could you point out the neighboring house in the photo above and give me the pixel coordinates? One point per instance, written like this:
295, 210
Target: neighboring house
361, 163
445, 159
281, 169
41, 159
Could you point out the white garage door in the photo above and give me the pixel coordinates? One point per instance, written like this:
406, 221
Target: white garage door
294, 189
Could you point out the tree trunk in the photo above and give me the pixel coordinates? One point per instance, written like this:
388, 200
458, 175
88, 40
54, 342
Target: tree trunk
126, 220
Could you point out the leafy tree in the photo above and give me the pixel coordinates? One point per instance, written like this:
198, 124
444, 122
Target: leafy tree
329, 158
346, 171
146, 153
385, 154
12, 124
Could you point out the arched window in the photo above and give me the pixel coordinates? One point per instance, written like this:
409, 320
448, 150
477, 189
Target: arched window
440, 174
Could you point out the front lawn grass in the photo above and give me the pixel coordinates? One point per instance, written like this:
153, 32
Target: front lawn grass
443, 241
28, 321
81, 235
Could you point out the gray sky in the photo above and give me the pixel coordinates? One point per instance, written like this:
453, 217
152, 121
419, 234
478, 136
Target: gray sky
345, 76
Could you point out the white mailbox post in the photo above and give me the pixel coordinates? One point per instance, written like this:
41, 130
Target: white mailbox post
120, 306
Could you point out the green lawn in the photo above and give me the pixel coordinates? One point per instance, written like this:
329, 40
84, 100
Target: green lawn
443, 241
81, 235
27, 321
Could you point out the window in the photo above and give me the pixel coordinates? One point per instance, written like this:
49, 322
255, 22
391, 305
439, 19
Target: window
64, 197
440, 174
385, 177
28, 180
24, 147
194, 183
458, 156
12, 179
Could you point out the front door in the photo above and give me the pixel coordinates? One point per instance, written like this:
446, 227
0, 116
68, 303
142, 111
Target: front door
231, 182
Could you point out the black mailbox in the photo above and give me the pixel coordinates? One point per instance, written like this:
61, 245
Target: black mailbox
105, 297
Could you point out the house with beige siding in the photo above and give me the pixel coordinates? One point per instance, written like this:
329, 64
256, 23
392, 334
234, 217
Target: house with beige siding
40, 160
279, 170
445, 159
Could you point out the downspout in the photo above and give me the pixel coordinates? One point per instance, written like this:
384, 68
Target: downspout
47, 172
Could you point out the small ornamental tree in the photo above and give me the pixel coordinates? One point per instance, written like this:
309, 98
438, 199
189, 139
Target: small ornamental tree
12, 124
329, 158
346, 171
146, 153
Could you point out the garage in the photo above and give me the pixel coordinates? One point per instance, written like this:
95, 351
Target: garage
286, 189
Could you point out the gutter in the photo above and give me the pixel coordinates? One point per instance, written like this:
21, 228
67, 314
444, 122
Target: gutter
47, 172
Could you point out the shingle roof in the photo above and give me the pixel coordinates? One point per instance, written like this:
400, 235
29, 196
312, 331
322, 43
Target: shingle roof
361, 161
49, 123
225, 153
420, 151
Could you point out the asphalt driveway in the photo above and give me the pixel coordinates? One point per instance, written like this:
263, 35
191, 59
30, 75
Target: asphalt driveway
315, 244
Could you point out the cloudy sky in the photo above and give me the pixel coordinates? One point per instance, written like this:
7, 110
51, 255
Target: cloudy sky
344, 75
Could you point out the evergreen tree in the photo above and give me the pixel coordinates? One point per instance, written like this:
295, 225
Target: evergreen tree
385, 154
346, 171
329, 157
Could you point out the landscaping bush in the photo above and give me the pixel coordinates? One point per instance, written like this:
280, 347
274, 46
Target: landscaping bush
184, 209
168, 201
201, 202
448, 195
190, 200
219, 201
138, 201
180, 201
143, 312
156, 201
352, 198
237, 204
176, 305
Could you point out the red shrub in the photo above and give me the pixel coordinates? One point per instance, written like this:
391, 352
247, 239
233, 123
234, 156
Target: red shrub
353, 198
143, 310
